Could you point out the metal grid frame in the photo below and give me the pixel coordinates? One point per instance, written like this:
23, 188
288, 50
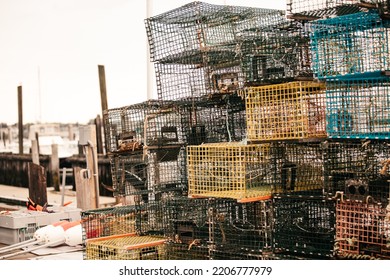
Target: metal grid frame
348, 45
294, 110
311, 10
304, 227
229, 170
200, 27
126, 247
358, 108
357, 170
362, 230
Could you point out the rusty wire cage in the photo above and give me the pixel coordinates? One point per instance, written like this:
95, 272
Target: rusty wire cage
276, 54
358, 108
304, 227
345, 46
362, 230
126, 247
229, 170
357, 170
294, 110
188, 32
298, 170
124, 126
312, 10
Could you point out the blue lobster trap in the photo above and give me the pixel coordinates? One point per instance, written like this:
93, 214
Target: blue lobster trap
348, 45
358, 108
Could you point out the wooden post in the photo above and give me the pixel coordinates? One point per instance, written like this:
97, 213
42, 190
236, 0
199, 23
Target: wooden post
20, 119
37, 184
103, 93
55, 167
99, 136
87, 180
34, 151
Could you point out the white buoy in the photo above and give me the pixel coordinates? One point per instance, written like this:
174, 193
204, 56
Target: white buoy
74, 236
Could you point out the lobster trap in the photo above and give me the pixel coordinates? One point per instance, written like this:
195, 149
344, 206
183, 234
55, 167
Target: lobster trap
298, 170
358, 108
304, 227
276, 54
347, 45
229, 170
199, 29
166, 172
129, 175
358, 170
126, 247
294, 110
362, 230
220, 225
124, 126
312, 10
176, 81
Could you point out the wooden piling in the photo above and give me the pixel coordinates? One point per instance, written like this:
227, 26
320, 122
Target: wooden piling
20, 119
37, 185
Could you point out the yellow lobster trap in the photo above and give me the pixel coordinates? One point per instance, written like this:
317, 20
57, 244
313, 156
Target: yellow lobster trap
230, 170
294, 110
126, 247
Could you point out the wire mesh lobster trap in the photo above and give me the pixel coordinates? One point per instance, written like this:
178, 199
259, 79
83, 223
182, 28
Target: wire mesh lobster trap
176, 81
186, 33
126, 247
311, 10
124, 126
294, 110
358, 108
215, 120
304, 227
362, 230
223, 226
229, 170
347, 45
129, 175
358, 170
278, 54
166, 172
298, 170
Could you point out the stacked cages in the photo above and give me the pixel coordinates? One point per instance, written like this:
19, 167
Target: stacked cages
287, 111
358, 108
362, 230
349, 45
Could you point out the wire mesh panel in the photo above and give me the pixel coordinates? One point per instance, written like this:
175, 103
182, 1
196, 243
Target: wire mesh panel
215, 120
124, 126
185, 31
304, 227
292, 110
129, 174
358, 108
187, 81
309, 10
166, 172
349, 45
298, 170
359, 170
181, 251
126, 247
362, 230
229, 170
278, 54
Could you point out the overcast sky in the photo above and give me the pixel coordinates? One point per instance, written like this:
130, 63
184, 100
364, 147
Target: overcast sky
52, 48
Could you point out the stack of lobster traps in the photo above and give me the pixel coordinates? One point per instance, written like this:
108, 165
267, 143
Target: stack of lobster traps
269, 138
